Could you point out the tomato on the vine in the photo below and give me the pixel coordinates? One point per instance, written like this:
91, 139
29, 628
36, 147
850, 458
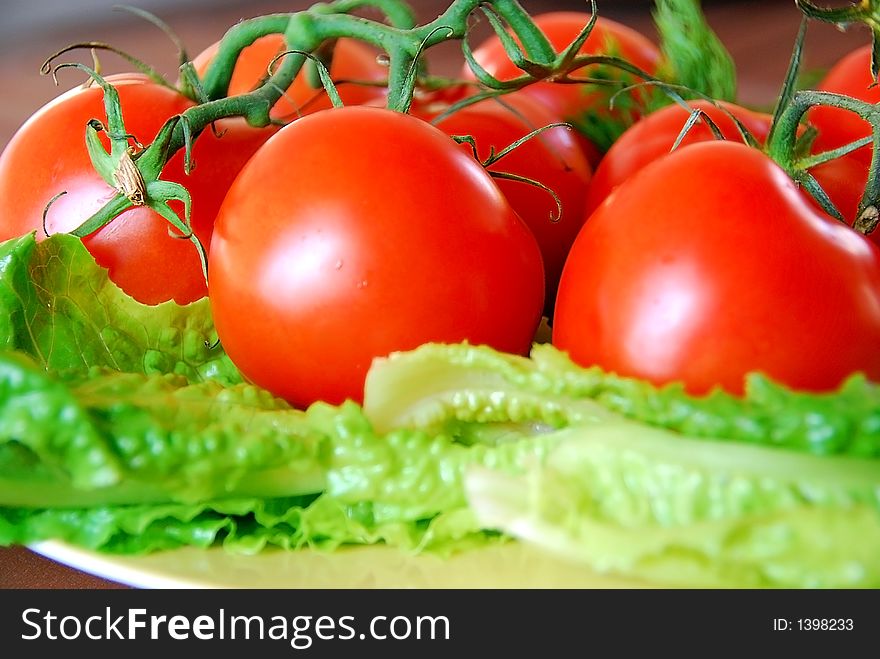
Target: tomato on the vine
708, 264
353, 63
48, 155
360, 231
571, 102
551, 158
653, 136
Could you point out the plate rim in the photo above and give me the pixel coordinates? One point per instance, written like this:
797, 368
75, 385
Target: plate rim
152, 572
108, 566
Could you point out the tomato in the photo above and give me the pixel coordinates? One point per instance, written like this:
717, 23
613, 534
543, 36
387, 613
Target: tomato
48, 155
552, 158
844, 179
571, 102
709, 264
352, 61
850, 76
653, 136
356, 232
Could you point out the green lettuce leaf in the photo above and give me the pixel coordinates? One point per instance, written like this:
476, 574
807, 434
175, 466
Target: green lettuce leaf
435, 386
122, 430
132, 438
644, 502
134, 462
58, 306
242, 526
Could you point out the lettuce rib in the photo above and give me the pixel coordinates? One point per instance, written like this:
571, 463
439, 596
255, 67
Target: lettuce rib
438, 384
628, 499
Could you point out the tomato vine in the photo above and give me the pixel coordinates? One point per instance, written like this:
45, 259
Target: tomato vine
304, 33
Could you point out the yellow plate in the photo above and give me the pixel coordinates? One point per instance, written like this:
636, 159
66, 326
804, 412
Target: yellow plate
511, 565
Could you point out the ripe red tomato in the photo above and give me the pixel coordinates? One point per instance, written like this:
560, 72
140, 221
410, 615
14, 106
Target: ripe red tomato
844, 179
48, 155
850, 76
708, 264
552, 158
570, 102
352, 61
356, 232
653, 136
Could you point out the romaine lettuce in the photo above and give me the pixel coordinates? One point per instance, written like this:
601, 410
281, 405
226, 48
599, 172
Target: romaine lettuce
58, 306
122, 428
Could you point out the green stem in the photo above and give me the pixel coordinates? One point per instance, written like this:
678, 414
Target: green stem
306, 31
534, 42
218, 75
782, 144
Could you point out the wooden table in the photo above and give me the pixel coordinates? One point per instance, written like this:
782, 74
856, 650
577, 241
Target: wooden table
759, 35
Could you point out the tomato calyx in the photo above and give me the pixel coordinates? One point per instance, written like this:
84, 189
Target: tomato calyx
530, 51
134, 174
781, 147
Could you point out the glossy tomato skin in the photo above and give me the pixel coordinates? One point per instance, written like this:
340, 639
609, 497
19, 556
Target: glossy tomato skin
850, 76
568, 102
552, 158
352, 61
360, 231
48, 155
709, 264
653, 136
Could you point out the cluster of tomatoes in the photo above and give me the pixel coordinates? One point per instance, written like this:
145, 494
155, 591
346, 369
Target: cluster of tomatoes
354, 232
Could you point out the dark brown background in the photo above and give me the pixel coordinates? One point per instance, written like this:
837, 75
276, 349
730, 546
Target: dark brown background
759, 35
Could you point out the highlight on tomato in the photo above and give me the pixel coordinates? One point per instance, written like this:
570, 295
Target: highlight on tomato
356, 232
708, 264
48, 156
577, 103
353, 66
551, 158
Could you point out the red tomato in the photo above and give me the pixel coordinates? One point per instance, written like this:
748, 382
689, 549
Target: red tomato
570, 102
552, 158
850, 76
352, 61
844, 179
708, 264
652, 137
356, 232
48, 155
